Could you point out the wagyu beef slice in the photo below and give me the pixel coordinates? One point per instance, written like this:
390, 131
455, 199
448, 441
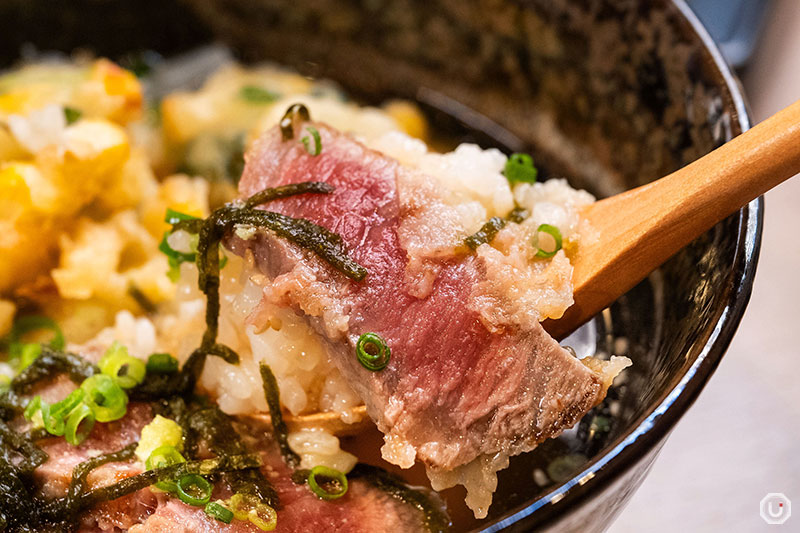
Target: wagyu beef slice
456, 388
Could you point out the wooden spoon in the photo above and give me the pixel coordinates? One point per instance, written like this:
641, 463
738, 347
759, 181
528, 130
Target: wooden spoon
330, 421
640, 229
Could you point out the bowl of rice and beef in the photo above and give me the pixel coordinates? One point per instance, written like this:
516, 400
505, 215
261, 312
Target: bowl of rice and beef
283, 265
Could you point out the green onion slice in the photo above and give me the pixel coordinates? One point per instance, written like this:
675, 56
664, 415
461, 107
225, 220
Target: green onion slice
127, 371
173, 217
218, 511
65, 406
519, 169
247, 506
194, 490
52, 424
164, 456
263, 517
34, 406
242, 503
162, 363
317, 141
190, 224
553, 232
257, 95
372, 351
335, 478
174, 257
26, 324
106, 398
79, 424
22, 354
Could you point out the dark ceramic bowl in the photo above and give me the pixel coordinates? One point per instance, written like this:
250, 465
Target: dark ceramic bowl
612, 94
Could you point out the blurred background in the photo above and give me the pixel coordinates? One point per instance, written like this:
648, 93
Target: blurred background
740, 441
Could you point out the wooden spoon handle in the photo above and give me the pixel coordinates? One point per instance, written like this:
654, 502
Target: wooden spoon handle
640, 229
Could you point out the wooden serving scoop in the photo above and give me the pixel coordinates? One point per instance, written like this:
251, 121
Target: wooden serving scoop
640, 229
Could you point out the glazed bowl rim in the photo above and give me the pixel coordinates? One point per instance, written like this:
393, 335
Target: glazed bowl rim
654, 425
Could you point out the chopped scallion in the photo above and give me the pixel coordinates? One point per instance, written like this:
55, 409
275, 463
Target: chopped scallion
519, 169
194, 490
257, 95
173, 217
242, 503
65, 406
337, 480
174, 257
317, 141
25, 354
246, 506
161, 457
22, 354
33, 407
218, 511
127, 371
554, 233
162, 363
372, 351
263, 517
106, 398
183, 222
26, 324
79, 424
52, 424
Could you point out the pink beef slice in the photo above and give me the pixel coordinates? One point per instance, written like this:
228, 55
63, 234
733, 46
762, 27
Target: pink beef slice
362, 508
454, 389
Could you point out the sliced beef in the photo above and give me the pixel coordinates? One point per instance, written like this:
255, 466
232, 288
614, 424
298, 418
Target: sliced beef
54, 476
363, 508
456, 388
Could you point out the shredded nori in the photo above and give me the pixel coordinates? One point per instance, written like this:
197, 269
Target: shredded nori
283, 191
326, 244
295, 113
204, 467
215, 428
486, 233
20, 451
19, 510
272, 394
69, 505
49, 364
435, 519
518, 215
141, 299
11, 405
491, 227
323, 242
81, 471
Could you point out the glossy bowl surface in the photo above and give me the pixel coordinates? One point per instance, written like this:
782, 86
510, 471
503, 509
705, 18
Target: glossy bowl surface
612, 94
